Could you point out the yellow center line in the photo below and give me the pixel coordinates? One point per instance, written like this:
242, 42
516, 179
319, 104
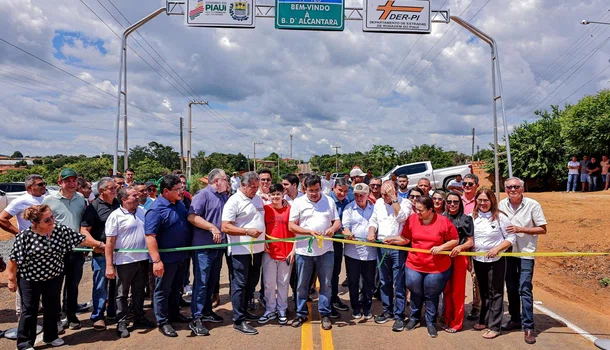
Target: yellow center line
306, 333
327, 339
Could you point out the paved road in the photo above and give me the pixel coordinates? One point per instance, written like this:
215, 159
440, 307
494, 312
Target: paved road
345, 334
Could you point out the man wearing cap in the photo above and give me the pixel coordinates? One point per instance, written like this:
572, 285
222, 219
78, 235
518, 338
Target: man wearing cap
68, 207
314, 215
339, 196
357, 176
151, 189
235, 182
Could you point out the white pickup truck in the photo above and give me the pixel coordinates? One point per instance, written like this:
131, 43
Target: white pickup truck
439, 178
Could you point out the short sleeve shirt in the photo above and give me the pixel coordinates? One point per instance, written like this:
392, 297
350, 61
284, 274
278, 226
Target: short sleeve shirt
208, 204
168, 222
317, 216
245, 213
573, 171
528, 214
68, 212
583, 166
95, 217
436, 233
18, 205
128, 228
592, 166
41, 257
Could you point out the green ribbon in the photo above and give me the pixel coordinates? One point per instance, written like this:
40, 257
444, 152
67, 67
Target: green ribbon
208, 246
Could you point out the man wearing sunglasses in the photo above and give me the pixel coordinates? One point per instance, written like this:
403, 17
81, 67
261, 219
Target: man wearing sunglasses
470, 184
265, 182
528, 221
36, 189
375, 186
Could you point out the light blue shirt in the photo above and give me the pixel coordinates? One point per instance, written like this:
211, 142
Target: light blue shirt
356, 219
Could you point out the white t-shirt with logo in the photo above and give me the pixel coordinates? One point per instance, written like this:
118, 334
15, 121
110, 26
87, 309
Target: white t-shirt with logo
245, 213
317, 216
18, 205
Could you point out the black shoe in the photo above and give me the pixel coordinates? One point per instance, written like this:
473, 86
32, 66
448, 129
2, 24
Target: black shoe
184, 302
251, 305
473, 314
298, 321
412, 324
432, 331
245, 328
110, 320
86, 307
510, 325
377, 295
180, 318
399, 325
198, 328
344, 283
383, 318
250, 317
262, 302
334, 313
326, 324
212, 317
168, 331
74, 324
121, 330
144, 323
339, 305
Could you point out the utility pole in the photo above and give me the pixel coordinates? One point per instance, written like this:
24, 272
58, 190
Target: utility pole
478, 151
279, 157
181, 145
189, 152
255, 143
290, 146
472, 156
336, 157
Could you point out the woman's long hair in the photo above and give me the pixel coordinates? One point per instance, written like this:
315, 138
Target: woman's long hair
461, 204
493, 204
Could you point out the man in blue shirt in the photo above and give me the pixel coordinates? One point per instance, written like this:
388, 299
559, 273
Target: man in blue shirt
339, 195
205, 214
166, 226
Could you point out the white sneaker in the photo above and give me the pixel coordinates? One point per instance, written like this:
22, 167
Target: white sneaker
188, 290
56, 342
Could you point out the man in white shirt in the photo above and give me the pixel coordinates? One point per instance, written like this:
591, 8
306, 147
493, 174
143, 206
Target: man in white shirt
389, 216
124, 229
264, 175
243, 220
327, 183
455, 185
314, 215
235, 182
528, 221
290, 182
573, 167
36, 189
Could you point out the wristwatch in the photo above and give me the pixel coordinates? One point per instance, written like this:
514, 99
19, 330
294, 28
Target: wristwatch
395, 200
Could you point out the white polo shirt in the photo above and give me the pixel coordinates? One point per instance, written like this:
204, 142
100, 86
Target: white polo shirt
385, 222
317, 216
290, 200
528, 214
245, 213
128, 229
356, 219
18, 205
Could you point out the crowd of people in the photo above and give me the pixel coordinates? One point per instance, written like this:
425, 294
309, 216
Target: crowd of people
264, 232
591, 173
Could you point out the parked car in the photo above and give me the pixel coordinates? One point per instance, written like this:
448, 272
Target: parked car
335, 176
439, 178
10, 191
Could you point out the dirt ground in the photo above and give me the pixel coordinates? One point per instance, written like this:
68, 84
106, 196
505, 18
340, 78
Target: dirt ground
568, 286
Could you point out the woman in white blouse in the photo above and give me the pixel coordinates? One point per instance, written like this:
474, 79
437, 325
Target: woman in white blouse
490, 236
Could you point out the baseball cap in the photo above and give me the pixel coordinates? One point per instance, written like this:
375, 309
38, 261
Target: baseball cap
361, 188
68, 172
150, 183
356, 172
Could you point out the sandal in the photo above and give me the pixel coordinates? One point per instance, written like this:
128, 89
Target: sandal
479, 327
450, 330
491, 334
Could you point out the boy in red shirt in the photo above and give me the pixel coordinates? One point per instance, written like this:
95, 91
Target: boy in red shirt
277, 258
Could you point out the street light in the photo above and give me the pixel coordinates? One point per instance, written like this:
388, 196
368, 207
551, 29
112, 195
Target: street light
585, 22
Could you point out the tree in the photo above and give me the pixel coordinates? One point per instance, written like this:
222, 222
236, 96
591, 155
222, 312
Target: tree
585, 127
165, 155
21, 163
92, 168
149, 169
17, 154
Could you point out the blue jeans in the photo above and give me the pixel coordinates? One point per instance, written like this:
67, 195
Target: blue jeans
572, 182
519, 273
425, 287
100, 293
167, 291
392, 279
593, 183
324, 266
206, 275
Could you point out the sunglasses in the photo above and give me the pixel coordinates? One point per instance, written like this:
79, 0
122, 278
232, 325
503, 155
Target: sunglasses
49, 219
151, 189
414, 197
513, 187
42, 184
374, 186
453, 202
467, 184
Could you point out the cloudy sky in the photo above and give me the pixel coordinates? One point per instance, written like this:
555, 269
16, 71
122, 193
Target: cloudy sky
350, 89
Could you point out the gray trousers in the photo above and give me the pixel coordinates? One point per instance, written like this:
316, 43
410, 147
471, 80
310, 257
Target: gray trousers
134, 277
